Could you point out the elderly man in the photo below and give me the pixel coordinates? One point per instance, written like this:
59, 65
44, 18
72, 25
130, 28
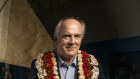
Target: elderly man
67, 62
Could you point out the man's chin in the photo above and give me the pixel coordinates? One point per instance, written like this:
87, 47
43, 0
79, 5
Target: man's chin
71, 55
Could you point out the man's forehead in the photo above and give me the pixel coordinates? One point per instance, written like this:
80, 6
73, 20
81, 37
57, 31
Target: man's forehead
69, 22
71, 26
71, 34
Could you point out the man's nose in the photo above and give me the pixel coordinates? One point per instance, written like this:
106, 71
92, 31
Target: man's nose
72, 40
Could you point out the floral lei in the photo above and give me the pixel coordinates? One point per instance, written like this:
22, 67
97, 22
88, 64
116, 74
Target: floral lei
47, 66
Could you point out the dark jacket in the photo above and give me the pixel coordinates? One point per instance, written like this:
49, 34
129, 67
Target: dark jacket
33, 71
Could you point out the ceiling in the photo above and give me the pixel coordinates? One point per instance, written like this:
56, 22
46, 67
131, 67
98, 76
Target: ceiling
105, 19
50, 11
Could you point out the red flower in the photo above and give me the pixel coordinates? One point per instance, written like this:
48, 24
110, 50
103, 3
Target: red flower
51, 69
84, 66
52, 76
83, 55
85, 69
84, 74
49, 51
82, 52
49, 56
51, 64
49, 60
83, 61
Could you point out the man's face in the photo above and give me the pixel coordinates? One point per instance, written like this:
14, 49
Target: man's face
69, 38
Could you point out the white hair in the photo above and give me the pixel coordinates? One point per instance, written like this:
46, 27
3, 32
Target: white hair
59, 24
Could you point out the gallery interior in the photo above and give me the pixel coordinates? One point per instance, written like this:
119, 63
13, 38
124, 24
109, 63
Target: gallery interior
112, 33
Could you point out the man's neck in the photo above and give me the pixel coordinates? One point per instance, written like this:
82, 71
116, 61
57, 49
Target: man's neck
68, 61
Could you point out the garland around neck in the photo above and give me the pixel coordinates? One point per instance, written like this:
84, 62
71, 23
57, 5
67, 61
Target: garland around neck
47, 66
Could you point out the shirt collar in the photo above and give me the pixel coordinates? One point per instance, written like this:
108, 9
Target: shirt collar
61, 62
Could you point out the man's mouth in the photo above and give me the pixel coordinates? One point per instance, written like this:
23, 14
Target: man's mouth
70, 48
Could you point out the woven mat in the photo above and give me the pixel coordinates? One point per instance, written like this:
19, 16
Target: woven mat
22, 36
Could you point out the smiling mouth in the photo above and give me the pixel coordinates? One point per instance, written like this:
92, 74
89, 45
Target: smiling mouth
70, 48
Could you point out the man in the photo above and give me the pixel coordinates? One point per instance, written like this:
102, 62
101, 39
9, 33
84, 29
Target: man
67, 62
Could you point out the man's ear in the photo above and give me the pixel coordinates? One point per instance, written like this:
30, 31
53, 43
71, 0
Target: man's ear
55, 40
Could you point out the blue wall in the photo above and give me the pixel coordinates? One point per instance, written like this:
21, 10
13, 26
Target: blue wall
101, 50
21, 72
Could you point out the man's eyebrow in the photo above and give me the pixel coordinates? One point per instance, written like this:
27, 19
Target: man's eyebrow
78, 34
65, 34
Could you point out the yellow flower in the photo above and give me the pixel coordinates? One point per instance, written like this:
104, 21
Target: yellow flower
81, 72
81, 77
53, 58
55, 72
56, 77
79, 59
53, 54
81, 68
54, 63
79, 51
54, 68
80, 63
79, 55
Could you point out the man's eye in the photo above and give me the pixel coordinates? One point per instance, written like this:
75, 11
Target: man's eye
78, 36
65, 36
